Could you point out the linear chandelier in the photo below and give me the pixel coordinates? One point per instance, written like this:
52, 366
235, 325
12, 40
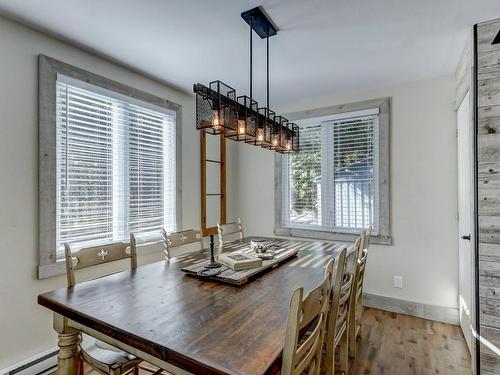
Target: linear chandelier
239, 118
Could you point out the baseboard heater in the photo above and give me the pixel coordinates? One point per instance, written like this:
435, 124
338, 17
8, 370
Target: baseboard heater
41, 364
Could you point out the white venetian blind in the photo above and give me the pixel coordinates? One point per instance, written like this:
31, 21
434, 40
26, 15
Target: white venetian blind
354, 178
331, 182
115, 166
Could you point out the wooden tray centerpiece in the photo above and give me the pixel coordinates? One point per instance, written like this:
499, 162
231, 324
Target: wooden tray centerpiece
227, 275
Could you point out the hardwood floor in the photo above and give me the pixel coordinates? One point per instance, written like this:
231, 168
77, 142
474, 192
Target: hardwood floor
398, 344
395, 344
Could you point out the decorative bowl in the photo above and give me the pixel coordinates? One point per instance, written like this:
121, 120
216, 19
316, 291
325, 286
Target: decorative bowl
259, 246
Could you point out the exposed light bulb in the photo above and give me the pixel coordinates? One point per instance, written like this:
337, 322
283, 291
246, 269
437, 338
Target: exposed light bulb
260, 134
275, 139
288, 144
241, 126
216, 124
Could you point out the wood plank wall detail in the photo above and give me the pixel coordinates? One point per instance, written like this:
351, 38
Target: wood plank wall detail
488, 121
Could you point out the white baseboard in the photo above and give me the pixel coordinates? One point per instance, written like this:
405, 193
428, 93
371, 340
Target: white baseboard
39, 364
443, 314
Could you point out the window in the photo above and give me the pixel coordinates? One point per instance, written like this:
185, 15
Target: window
115, 166
110, 161
336, 186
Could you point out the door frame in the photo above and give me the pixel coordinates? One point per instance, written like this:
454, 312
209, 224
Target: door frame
466, 82
465, 140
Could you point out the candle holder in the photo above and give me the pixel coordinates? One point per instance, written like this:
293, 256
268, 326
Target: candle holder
213, 263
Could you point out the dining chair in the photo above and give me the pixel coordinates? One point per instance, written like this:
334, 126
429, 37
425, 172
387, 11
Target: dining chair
99, 355
337, 326
305, 328
356, 312
367, 237
234, 230
180, 241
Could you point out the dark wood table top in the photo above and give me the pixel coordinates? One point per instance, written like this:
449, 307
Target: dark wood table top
200, 326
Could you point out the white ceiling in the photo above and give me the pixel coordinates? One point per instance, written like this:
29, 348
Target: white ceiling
323, 47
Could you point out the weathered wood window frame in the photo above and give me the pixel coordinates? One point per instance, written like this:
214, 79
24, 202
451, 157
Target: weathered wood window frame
383, 235
48, 69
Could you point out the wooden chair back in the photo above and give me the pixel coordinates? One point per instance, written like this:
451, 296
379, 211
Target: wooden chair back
234, 230
95, 255
360, 269
338, 318
302, 351
181, 240
367, 237
357, 303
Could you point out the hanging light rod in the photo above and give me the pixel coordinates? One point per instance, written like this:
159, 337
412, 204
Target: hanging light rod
239, 118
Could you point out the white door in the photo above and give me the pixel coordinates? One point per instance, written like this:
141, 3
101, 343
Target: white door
465, 219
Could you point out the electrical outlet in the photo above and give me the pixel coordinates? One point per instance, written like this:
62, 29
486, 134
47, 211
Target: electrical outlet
398, 281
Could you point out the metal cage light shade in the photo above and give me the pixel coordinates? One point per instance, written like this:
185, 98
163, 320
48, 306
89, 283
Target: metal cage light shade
284, 134
255, 134
270, 130
216, 111
247, 120
277, 133
286, 139
264, 127
290, 139
294, 130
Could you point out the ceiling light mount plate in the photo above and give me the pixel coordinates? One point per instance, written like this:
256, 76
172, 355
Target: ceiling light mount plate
260, 22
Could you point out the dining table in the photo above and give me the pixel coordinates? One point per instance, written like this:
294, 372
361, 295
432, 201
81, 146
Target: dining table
184, 324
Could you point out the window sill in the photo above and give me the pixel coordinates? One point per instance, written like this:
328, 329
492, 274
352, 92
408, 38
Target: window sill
59, 267
328, 236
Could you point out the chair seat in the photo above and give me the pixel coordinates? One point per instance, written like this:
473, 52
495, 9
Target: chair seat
106, 357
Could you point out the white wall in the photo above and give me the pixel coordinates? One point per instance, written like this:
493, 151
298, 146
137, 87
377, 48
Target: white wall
423, 188
25, 327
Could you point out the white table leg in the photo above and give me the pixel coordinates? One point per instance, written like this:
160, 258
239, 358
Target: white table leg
68, 359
